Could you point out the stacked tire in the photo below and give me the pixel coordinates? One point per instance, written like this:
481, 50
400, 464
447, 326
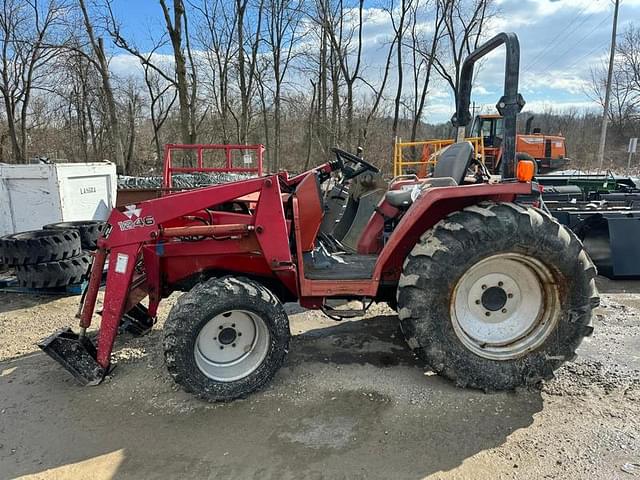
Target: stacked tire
56, 256
89, 231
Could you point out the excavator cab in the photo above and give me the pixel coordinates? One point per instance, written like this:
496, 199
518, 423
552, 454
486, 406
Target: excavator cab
491, 129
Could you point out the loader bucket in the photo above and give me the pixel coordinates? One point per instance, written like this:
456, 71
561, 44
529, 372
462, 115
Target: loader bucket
76, 354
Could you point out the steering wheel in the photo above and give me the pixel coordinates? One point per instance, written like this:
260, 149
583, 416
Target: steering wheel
349, 172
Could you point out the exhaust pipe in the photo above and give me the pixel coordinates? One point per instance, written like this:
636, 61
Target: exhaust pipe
527, 128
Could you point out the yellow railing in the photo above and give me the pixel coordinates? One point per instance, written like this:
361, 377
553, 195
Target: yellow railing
424, 154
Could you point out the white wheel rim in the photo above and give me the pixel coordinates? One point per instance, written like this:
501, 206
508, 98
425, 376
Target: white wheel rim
505, 306
232, 345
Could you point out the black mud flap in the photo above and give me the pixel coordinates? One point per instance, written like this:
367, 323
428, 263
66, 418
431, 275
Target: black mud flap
76, 354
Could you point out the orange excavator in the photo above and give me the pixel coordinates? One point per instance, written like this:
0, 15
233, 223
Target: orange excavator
548, 151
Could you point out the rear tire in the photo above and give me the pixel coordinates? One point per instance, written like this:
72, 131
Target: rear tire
497, 296
226, 338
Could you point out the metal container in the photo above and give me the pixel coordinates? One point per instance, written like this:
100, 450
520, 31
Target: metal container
34, 195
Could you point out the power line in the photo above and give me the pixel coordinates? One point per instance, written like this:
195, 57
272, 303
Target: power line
565, 31
560, 55
583, 56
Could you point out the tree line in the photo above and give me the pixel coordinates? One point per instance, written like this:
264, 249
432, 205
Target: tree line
290, 74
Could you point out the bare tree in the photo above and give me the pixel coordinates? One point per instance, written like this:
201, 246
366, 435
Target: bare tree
162, 96
187, 87
399, 27
26, 29
629, 58
216, 37
284, 18
309, 138
133, 102
248, 31
465, 23
624, 107
345, 36
99, 59
423, 51
378, 91
184, 78
335, 35
79, 90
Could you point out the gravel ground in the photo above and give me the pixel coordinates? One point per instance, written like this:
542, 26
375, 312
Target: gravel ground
351, 402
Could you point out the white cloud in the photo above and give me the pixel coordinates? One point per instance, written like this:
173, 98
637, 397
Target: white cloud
480, 90
545, 8
126, 65
555, 80
540, 106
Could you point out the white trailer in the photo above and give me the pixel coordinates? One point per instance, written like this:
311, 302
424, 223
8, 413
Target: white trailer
34, 195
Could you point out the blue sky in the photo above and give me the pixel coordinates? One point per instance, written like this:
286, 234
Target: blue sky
561, 41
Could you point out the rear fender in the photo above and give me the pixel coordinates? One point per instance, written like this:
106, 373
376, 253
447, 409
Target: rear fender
429, 208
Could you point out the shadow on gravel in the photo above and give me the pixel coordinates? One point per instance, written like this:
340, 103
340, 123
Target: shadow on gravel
606, 285
17, 301
376, 341
351, 403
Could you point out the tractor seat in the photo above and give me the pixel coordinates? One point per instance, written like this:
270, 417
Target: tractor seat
402, 198
454, 162
450, 171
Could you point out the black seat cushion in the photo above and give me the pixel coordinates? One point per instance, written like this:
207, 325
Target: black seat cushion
402, 198
454, 162
398, 198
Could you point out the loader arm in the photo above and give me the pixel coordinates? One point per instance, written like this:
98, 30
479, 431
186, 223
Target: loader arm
143, 231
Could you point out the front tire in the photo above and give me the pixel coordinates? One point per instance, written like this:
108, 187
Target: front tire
497, 296
225, 338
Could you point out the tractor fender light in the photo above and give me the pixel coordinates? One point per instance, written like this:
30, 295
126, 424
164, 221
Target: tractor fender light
525, 171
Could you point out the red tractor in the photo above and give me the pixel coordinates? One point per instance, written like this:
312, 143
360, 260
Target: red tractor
490, 293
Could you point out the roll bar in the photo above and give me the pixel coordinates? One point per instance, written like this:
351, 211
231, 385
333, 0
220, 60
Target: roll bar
509, 105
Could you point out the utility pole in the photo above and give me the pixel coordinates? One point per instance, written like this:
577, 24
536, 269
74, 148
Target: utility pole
607, 95
633, 146
473, 110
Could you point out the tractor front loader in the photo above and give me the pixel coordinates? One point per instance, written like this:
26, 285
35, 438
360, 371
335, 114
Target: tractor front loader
490, 293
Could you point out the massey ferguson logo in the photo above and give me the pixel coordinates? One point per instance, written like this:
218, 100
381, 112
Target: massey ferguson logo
135, 219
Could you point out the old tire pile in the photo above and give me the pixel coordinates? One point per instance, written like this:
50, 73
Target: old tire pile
54, 257
89, 230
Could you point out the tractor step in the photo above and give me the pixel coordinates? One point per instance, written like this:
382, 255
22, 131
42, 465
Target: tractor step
76, 354
137, 321
341, 314
330, 310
